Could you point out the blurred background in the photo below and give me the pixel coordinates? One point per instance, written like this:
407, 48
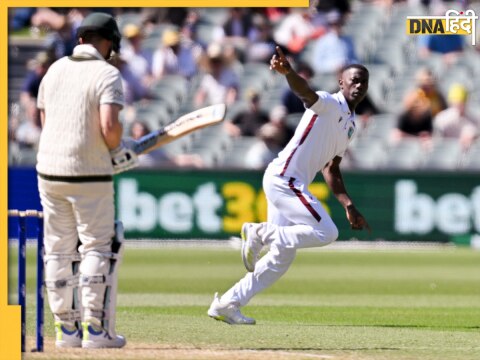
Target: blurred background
413, 170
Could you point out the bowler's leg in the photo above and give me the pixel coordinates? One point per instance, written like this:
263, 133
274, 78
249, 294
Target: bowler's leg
267, 271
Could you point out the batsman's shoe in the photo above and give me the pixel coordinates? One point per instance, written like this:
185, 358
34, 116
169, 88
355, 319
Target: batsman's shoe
100, 339
251, 245
66, 338
228, 313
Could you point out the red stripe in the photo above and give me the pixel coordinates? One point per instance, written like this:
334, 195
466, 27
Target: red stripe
304, 201
304, 136
309, 127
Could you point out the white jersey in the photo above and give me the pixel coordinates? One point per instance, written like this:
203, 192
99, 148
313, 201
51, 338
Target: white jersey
71, 143
324, 132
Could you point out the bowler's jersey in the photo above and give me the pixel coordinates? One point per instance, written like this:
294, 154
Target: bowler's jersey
324, 132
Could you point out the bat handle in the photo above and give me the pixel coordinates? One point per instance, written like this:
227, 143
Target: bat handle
147, 141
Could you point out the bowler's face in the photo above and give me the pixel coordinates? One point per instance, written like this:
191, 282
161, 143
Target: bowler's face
354, 85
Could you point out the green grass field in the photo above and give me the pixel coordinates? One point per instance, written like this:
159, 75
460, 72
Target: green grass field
330, 305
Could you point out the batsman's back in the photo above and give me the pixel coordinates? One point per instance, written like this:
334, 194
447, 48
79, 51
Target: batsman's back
71, 93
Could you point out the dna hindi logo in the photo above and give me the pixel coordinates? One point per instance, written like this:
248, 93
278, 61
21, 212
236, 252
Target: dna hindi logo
453, 23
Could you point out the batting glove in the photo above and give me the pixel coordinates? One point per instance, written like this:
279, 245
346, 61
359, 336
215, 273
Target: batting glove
123, 158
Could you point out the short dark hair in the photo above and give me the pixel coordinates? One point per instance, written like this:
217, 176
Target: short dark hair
91, 37
354, 66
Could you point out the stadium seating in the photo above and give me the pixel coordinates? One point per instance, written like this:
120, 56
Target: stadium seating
471, 160
366, 154
211, 143
404, 155
379, 126
235, 156
154, 114
445, 154
381, 44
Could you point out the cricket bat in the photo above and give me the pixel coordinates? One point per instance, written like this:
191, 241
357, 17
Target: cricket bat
184, 125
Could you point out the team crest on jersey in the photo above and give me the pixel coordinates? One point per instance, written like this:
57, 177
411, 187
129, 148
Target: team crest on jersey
351, 130
118, 94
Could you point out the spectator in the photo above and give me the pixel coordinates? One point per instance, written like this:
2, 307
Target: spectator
138, 58
160, 157
296, 30
237, 30
61, 41
219, 84
262, 45
232, 58
20, 17
455, 122
324, 7
176, 15
275, 14
448, 46
266, 148
193, 23
28, 96
427, 84
278, 118
26, 130
249, 121
334, 50
419, 107
135, 89
152, 17
343, 6
291, 101
176, 56
238, 24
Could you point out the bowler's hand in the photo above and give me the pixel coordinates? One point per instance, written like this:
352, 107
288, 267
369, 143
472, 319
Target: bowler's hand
357, 221
279, 62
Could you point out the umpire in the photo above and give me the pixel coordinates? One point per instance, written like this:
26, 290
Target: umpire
79, 99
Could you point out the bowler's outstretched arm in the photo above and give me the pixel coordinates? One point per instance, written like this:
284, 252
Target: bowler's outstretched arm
298, 84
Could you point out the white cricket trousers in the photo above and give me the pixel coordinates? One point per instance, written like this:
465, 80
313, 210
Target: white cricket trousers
73, 212
296, 220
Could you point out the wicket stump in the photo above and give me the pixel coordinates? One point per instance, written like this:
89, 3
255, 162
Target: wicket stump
22, 265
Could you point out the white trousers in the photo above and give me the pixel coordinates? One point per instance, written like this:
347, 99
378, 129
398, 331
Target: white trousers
73, 212
296, 219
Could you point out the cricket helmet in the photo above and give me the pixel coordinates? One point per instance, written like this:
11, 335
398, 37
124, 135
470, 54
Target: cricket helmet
102, 24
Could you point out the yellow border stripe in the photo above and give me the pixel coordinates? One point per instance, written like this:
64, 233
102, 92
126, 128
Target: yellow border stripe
9, 315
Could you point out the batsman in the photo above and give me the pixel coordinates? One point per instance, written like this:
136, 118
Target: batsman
80, 149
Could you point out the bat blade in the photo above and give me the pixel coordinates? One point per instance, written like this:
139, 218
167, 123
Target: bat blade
184, 125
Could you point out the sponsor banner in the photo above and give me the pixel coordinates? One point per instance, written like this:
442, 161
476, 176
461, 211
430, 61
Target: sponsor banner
214, 204
180, 204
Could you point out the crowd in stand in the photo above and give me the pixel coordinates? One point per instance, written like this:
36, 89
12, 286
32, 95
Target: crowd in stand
212, 61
